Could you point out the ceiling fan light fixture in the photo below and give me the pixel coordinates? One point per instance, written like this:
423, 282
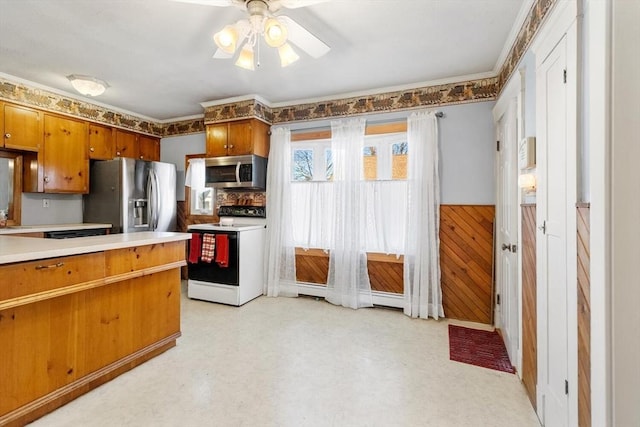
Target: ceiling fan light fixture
287, 55
275, 32
245, 59
227, 39
87, 85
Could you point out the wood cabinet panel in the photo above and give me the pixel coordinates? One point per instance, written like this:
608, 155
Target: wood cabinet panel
149, 148
101, 142
126, 144
217, 136
22, 127
32, 277
127, 260
238, 138
66, 164
107, 322
149, 292
39, 343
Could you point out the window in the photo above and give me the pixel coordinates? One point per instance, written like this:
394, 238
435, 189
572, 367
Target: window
384, 160
312, 161
202, 202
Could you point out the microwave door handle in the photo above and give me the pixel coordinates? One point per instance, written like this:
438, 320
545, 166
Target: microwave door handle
238, 173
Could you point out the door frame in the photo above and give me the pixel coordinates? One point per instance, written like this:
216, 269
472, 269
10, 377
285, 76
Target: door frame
561, 23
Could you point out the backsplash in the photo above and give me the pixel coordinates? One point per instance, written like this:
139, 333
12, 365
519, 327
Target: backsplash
245, 198
63, 209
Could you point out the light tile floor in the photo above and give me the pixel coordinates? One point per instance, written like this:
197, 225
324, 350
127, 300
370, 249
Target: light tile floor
303, 362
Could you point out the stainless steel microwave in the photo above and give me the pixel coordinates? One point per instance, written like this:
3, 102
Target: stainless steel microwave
246, 172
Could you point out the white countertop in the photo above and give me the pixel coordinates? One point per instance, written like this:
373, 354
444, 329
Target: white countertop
17, 229
219, 227
18, 249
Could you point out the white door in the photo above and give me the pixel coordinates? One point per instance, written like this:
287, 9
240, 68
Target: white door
508, 319
552, 239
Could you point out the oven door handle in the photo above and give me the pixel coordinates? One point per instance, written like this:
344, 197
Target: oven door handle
230, 236
238, 173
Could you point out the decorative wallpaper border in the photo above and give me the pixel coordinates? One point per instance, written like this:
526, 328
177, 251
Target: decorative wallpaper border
251, 108
45, 100
430, 96
447, 94
530, 27
184, 127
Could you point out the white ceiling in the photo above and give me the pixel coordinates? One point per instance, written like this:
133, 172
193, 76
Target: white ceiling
157, 54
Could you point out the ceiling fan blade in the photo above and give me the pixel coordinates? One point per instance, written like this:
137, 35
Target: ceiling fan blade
294, 4
221, 54
218, 3
304, 39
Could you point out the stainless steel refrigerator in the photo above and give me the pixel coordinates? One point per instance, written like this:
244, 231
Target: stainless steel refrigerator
132, 195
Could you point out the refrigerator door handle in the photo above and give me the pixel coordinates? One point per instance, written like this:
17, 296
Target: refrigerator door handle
149, 194
238, 173
154, 200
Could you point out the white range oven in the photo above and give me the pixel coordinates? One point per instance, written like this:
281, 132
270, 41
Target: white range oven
226, 261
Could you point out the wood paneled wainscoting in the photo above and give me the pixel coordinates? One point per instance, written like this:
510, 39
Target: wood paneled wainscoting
584, 316
466, 254
529, 295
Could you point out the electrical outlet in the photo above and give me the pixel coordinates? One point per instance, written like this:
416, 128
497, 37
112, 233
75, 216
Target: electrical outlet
45, 203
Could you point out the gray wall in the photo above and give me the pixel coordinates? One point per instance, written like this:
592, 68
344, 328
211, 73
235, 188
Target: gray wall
173, 149
63, 209
468, 148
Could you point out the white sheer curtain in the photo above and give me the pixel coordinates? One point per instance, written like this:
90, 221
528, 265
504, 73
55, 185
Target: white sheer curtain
422, 291
280, 252
348, 283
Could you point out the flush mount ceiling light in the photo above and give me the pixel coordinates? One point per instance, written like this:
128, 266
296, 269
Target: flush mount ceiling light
87, 85
277, 32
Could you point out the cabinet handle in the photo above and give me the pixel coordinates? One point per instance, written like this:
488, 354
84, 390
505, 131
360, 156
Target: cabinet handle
231, 146
46, 179
7, 135
92, 149
142, 157
225, 146
117, 153
44, 267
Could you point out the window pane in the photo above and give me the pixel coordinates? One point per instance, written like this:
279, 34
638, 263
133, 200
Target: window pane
329, 165
370, 163
302, 165
399, 161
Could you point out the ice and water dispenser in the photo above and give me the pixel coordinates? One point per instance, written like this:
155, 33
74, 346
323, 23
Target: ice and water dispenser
140, 212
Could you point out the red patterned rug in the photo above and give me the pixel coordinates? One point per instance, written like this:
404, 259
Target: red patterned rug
480, 348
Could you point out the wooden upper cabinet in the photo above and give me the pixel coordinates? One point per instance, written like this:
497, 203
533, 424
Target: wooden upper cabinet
66, 163
21, 127
238, 138
149, 148
101, 142
126, 144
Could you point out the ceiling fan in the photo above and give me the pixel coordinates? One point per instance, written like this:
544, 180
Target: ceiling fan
277, 31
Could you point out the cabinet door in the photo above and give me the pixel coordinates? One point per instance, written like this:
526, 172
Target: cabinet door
101, 144
22, 128
126, 144
66, 164
240, 138
217, 140
149, 148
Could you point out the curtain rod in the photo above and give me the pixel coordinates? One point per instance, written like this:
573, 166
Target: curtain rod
438, 114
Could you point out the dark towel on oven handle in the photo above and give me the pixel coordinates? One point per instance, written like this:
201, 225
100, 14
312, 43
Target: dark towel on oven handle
195, 248
222, 250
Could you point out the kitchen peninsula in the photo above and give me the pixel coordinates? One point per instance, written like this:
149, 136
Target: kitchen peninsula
76, 313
